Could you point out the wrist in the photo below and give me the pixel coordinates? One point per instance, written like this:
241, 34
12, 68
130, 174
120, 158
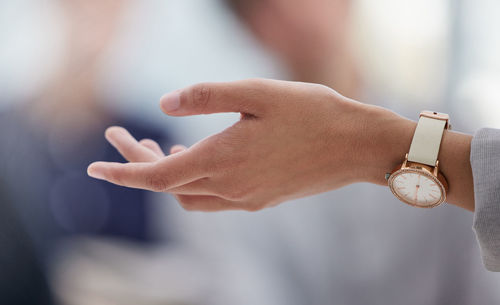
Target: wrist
386, 140
454, 163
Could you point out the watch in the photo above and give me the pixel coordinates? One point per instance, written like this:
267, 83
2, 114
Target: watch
418, 181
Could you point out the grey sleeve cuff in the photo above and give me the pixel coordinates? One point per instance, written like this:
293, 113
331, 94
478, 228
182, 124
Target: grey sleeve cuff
485, 162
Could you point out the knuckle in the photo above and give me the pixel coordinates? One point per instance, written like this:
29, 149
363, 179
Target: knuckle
157, 183
324, 90
187, 203
235, 194
254, 205
257, 82
116, 177
215, 155
317, 86
148, 142
253, 208
200, 96
189, 206
226, 154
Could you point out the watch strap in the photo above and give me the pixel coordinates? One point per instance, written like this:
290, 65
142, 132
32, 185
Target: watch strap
427, 140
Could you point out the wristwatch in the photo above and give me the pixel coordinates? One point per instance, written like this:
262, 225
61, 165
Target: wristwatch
418, 181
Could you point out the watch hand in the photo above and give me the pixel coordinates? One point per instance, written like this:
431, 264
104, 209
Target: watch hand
416, 188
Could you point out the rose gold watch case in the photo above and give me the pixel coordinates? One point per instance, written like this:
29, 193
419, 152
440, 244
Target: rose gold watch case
428, 171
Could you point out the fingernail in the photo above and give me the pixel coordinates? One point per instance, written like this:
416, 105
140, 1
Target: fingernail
95, 172
170, 102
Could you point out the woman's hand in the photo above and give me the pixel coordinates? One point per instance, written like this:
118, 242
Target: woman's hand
293, 140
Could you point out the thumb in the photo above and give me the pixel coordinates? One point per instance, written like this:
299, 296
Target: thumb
247, 96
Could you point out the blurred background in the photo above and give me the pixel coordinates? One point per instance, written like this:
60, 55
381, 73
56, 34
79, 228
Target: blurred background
70, 68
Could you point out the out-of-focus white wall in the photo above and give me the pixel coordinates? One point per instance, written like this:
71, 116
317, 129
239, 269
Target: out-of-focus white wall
31, 34
403, 49
477, 79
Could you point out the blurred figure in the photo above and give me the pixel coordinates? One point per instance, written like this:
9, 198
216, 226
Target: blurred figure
297, 254
310, 37
47, 143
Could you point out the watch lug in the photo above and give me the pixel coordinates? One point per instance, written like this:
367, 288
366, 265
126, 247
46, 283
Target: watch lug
436, 169
438, 116
388, 175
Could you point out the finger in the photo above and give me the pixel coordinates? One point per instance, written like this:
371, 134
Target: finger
206, 203
153, 146
166, 173
177, 148
247, 96
128, 146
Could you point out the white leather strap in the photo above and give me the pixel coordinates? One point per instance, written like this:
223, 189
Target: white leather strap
426, 141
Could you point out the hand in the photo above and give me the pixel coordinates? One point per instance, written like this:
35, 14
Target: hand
293, 140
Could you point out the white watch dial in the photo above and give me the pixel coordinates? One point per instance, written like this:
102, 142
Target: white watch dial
417, 188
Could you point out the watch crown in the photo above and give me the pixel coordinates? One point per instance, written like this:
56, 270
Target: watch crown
387, 176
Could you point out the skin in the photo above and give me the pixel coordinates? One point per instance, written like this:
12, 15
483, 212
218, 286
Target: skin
293, 140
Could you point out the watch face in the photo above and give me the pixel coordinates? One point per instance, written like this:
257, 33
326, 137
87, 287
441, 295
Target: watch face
417, 187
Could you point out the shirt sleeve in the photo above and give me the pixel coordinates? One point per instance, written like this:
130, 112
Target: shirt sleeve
485, 162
